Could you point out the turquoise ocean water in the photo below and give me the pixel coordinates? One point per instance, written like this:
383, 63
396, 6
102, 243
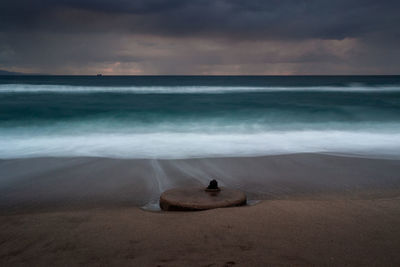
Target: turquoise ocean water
198, 116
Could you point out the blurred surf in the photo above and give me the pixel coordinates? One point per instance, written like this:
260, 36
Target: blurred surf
180, 117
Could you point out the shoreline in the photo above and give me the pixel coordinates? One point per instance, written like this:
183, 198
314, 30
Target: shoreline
73, 183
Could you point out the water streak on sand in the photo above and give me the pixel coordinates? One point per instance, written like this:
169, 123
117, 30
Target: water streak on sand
160, 177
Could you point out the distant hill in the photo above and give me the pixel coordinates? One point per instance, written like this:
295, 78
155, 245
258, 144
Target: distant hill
5, 72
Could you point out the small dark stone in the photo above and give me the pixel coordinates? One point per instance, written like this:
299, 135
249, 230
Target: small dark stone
213, 185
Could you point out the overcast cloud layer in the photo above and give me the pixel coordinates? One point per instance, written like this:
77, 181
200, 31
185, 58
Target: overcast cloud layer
200, 36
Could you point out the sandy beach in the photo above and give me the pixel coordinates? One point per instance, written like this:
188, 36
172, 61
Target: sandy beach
315, 210
277, 232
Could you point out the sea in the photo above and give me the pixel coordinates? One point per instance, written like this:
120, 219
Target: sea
174, 117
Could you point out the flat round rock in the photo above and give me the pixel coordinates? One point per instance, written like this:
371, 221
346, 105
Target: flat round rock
186, 199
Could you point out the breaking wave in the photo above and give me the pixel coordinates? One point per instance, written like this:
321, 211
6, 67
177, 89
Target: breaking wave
72, 89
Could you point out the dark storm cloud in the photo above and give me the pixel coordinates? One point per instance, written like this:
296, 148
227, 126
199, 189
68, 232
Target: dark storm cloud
225, 18
200, 36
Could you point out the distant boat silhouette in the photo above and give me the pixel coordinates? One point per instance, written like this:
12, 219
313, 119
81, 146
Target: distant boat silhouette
99, 75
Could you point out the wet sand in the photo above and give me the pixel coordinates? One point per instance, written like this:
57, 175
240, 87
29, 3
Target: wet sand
316, 210
47, 183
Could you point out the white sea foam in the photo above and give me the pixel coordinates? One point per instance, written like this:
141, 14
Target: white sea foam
184, 145
28, 88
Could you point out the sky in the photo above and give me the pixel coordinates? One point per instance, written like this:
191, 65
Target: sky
200, 37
